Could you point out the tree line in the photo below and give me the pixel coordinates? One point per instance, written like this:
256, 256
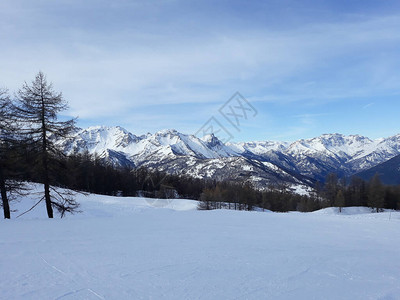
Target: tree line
334, 192
358, 192
242, 196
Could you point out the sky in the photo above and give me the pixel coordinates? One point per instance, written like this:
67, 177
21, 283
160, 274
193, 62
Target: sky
305, 67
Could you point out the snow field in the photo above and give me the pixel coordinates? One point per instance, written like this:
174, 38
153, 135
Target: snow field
126, 248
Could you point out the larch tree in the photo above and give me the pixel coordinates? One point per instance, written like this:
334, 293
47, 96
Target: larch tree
376, 193
37, 109
331, 188
340, 200
11, 162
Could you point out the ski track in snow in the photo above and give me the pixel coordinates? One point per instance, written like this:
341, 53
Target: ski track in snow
123, 248
71, 279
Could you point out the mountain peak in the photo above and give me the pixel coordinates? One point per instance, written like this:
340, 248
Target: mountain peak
211, 140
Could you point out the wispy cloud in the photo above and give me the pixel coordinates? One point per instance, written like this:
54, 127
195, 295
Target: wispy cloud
368, 105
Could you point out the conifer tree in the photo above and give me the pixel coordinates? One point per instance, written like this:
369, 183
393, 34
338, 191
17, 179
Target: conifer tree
38, 106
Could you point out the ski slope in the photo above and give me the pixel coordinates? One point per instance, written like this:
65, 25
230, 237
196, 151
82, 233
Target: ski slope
132, 248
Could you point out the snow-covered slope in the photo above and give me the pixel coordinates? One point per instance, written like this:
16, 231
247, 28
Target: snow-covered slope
124, 248
262, 162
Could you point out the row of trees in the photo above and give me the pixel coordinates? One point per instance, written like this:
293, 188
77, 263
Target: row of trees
87, 173
358, 192
333, 193
238, 196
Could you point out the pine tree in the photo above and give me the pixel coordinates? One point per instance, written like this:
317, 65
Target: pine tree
38, 106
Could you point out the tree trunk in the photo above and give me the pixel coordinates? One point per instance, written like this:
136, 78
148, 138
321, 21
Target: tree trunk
45, 166
6, 205
48, 200
46, 183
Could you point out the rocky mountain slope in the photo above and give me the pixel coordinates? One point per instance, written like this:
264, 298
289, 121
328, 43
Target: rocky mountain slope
389, 171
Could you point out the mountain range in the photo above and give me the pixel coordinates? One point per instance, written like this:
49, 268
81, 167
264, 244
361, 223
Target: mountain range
299, 164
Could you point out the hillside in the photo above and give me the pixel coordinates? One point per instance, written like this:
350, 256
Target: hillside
389, 171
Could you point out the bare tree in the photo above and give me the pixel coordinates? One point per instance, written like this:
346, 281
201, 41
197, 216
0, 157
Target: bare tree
5, 106
340, 200
11, 186
376, 193
38, 106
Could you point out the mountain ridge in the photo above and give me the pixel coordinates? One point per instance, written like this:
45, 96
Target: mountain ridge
300, 162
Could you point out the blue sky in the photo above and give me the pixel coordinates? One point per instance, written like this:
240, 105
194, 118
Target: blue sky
308, 67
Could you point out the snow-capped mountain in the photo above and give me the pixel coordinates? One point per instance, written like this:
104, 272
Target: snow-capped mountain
344, 155
263, 163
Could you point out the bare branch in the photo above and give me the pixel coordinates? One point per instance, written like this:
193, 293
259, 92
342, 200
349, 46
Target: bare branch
31, 207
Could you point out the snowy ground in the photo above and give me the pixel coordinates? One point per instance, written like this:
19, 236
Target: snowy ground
128, 249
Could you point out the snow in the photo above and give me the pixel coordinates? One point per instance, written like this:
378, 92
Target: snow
247, 168
258, 147
301, 189
132, 248
272, 166
351, 147
359, 210
99, 139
